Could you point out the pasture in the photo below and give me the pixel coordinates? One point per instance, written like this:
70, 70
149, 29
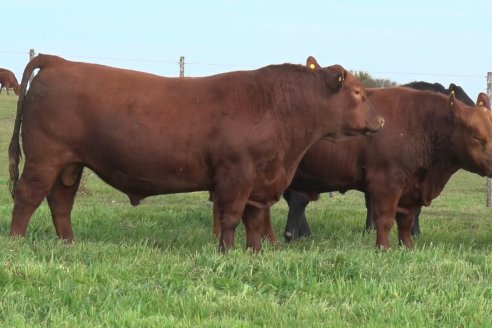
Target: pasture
158, 265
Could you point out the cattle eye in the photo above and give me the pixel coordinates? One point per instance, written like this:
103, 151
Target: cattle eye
357, 92
480, 140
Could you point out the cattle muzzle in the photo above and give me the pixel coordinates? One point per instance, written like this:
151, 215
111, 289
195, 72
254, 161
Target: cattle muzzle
372, 130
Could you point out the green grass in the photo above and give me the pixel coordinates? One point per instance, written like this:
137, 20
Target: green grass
157, 265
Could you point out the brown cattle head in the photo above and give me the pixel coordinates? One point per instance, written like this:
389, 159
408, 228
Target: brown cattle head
472, 136
16, 89
356, 114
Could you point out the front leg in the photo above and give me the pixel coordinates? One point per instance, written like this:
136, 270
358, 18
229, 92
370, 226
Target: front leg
253, 222
405, 222
230, 195
384, 212
267, 229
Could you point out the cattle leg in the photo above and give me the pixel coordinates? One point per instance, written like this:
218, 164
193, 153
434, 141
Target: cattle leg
267, 229
404, 223
369, 219
229, 216
30, 191
384, 213
216, 223
61, 200
416, 223
230, 196
297, 225
253, 222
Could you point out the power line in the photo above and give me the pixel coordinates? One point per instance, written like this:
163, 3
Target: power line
221, 64
124, 59
431, 74
100, 58
14, 52
147, 60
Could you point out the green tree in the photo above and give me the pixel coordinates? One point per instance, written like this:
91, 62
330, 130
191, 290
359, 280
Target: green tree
371, 82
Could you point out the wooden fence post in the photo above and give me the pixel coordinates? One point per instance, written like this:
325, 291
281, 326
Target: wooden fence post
489, 180
181, 66
31, 56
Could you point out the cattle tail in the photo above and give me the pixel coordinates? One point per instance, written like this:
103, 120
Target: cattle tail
15, 153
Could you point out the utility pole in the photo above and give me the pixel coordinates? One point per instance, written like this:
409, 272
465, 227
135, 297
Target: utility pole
181, 66
489, 180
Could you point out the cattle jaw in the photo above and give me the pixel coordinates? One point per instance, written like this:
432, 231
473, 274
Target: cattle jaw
369, 132
347, 135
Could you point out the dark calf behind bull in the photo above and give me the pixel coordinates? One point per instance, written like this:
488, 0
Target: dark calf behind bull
238, 134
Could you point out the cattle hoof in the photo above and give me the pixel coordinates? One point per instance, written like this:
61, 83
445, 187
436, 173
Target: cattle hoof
288, 236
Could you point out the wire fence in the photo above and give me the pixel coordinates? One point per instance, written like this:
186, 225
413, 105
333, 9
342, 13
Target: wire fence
239, 65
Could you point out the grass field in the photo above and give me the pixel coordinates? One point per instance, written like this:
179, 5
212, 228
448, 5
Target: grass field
157, 265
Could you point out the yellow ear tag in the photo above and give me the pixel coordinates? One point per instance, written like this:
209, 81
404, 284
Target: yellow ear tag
312, 66
340, 78
480, 103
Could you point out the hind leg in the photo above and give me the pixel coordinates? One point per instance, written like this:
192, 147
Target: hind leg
33, 186
416, 223
216, 224
369, 215
61, 200
297, 225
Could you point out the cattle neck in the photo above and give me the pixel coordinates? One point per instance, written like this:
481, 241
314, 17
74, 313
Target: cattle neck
295, 93
430, 124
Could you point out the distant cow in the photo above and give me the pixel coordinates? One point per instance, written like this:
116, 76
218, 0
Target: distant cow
8, 80
426, 139
240, 135
420, 85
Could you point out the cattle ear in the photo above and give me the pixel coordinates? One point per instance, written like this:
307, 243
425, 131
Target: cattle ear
335, 76
452, 88
452, 99
312, 63
483, 100
340, 77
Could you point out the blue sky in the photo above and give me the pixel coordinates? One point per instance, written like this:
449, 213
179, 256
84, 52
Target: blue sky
435, 41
